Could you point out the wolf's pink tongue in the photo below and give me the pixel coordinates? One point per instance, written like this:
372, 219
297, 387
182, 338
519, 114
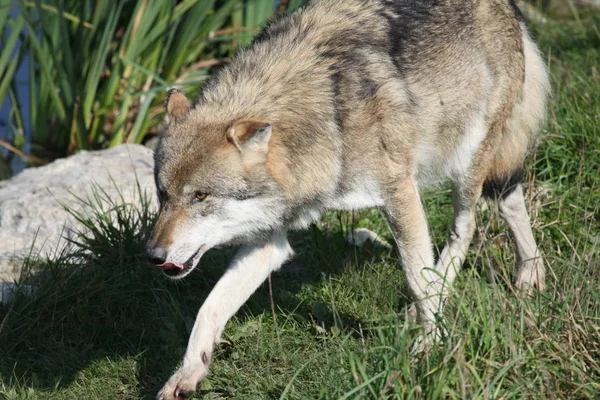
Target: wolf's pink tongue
168, 265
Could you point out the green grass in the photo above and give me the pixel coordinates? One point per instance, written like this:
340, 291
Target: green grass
105, 326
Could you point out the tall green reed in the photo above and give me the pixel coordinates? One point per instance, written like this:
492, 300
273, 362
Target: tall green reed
98, 70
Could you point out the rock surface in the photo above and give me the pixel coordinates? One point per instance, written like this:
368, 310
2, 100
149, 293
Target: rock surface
30, 203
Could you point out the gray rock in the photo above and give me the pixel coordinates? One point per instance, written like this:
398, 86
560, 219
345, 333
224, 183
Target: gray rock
30, 203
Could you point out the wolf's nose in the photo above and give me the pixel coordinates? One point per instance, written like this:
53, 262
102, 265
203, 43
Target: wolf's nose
156, 255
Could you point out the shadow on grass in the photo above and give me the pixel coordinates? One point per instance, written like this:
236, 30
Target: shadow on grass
105, 303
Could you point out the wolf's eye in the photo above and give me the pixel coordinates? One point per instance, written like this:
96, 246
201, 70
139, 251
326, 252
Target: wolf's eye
200, 196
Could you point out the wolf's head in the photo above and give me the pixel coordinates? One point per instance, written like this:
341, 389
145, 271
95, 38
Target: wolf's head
213, 186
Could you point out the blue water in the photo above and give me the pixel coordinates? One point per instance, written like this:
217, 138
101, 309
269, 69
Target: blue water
22, 93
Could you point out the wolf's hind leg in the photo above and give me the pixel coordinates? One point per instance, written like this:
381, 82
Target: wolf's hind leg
460, 236
251, 266
408, 223
530, 266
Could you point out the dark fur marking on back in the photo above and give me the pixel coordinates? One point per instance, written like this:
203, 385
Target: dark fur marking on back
404, 22
367, 87
335, 85
413, 23
275, 27
347, 62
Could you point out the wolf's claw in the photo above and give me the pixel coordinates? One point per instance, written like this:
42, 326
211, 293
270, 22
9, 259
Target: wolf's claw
183, 383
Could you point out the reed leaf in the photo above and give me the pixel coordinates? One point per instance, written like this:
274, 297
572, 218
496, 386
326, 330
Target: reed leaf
98, 71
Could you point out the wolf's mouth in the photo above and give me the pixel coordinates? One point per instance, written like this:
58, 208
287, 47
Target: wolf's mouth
175, 270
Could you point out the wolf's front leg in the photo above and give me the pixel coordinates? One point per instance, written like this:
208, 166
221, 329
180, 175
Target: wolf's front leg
408, 223
249, 269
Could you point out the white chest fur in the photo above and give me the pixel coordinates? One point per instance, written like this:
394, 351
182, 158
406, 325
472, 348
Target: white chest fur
363, 194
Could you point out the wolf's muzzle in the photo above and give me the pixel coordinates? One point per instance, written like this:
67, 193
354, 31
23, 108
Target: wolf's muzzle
156, 255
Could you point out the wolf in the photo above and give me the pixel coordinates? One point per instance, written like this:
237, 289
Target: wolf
347, 105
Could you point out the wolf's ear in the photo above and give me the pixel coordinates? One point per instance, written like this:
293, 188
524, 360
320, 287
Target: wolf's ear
176, 104
250, 136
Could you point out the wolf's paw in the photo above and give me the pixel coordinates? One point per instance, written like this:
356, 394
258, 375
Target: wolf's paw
183, 383
411, 313
427, 339
531, 276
